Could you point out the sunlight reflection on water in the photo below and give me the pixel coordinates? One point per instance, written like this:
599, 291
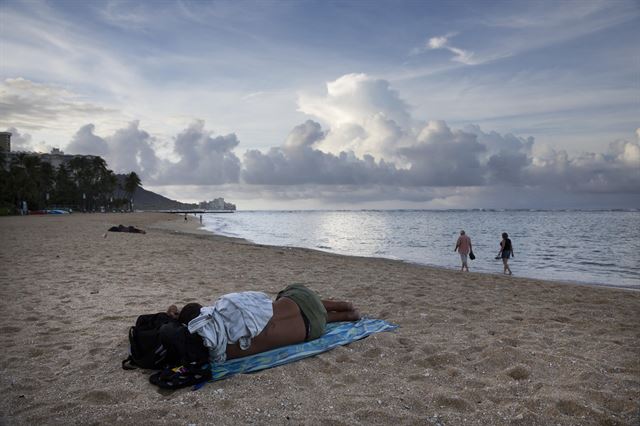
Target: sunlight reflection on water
592, 247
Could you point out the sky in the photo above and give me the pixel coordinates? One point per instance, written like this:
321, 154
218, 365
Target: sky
336, 104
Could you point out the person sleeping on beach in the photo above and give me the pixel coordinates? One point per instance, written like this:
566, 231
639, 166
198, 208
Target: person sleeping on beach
247, 323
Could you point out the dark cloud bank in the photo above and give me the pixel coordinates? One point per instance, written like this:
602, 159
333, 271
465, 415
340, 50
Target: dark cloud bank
370, 149
440, 163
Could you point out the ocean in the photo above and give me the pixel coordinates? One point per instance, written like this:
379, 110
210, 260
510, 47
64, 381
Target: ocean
593, 247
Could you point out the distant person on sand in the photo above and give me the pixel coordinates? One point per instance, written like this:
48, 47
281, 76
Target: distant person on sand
246, 323
506, 251
463, 247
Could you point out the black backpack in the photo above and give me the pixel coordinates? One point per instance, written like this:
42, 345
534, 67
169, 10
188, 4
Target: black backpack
158, 341
146, 348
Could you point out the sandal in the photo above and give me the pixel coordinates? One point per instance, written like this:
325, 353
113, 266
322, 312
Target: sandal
180, 377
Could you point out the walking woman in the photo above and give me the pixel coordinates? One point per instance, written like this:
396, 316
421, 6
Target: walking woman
506, 251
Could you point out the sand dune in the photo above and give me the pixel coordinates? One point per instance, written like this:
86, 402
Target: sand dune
471, 348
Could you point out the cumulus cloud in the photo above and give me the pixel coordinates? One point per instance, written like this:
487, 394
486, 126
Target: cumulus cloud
506, 156
363, 115
19, 141
203, 159
86, 142
298, 162
132, 149
353, 98
429, 154
442, 157
615, 171
365, 147
128, 149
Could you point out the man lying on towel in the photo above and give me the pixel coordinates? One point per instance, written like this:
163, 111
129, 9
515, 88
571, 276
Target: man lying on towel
247, 323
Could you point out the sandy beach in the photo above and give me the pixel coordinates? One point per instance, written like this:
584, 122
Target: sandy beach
471, 348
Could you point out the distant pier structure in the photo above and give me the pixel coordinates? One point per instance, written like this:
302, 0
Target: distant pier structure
193, 211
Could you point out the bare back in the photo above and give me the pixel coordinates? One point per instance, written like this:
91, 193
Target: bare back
286, 327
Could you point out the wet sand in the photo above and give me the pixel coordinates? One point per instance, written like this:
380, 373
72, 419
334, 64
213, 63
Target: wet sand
471, 348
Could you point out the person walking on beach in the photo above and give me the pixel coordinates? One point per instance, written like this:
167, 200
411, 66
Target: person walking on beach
506, 251
463, 246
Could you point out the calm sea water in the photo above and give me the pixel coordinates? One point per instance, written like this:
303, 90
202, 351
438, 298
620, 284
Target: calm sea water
597, 247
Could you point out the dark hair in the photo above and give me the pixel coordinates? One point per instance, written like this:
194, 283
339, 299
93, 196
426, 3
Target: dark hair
505, 235
189, 312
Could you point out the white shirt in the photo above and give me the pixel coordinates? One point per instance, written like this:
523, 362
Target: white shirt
234, 318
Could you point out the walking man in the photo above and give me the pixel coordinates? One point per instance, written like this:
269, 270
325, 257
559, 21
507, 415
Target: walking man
463, 247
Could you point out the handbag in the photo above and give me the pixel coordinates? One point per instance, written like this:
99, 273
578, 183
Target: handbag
471, 255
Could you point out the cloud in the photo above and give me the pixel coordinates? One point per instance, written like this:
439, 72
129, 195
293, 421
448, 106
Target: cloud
363, 114
297, 162
442, 157
29, 105
430, 155
369, 149
125, 16
615, 171
128, 149
353, 98
20, 141
437, 42
506, 156
87, 143
203, 159
460, 55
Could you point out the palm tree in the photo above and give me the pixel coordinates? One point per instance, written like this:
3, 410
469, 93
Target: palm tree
46, 181
25, 176
82, 172
131, 183
65, 188
109, 185
103, 180
6, 198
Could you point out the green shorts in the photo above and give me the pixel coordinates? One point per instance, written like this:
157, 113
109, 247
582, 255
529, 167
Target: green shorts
313, 312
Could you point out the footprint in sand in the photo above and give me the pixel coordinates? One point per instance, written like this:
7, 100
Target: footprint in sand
373, 353
572, 408
438, 360
35, 352
406, 344
64, 407
99, 397
454, 402
518, 372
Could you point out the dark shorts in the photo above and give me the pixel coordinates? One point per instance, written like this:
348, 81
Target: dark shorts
506, 254
313, 312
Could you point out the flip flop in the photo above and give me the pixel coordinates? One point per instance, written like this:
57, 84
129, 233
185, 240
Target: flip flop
180, 377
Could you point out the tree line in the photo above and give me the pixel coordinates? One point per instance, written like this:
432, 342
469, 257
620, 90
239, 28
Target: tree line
83, 183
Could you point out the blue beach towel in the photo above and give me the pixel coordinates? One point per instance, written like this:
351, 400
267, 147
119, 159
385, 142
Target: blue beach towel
336, 334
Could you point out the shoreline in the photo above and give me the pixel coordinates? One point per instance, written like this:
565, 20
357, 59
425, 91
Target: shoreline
203, 231
471, 348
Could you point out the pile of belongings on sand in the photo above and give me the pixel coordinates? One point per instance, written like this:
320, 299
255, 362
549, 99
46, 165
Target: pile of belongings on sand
122, 228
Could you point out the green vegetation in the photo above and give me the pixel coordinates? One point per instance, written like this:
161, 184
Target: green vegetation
84, 183
131, 183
